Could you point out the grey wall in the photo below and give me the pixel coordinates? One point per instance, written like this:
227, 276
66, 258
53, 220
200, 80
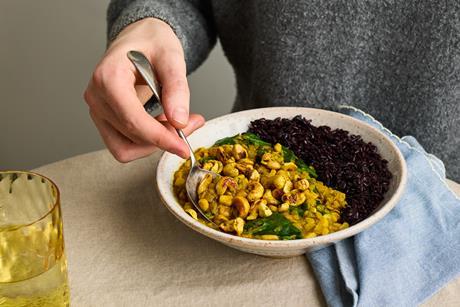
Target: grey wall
48, 49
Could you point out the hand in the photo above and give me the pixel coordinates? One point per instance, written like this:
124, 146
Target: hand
116, 94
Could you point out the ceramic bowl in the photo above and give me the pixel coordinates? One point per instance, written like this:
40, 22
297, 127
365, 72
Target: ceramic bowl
234, 123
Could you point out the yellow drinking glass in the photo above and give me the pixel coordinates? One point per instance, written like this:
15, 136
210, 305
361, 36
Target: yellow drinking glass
33, 266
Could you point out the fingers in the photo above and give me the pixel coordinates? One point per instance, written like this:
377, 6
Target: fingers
130, 116
175, 95
195, 121
124, 150
102, 110
119, 146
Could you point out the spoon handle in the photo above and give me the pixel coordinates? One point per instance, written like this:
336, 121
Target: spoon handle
147, 71
182, 136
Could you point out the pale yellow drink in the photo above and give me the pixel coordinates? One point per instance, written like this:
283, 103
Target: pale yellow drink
33, 267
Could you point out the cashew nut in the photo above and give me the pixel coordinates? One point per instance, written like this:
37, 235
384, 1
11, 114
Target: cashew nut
242, 206
256, 191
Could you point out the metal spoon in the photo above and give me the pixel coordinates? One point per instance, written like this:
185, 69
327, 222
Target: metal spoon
196, 173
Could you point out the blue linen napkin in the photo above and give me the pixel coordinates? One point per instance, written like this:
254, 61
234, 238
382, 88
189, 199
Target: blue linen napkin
407, 256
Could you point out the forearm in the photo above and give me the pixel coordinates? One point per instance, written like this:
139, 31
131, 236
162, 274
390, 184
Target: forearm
190, 19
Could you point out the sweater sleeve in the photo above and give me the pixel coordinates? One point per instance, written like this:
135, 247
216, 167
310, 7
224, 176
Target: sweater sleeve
191, 20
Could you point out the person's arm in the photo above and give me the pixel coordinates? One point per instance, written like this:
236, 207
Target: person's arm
162, 30
191, 20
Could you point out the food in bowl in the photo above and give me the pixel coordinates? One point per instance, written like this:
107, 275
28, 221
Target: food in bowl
265, 191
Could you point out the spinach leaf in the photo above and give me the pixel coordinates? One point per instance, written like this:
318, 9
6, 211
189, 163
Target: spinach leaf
245, 138
307, 168
275, 224
254, 139
261, 150
300, 210
289, 156
228, 140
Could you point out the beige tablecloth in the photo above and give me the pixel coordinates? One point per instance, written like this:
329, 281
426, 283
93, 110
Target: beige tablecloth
125, 249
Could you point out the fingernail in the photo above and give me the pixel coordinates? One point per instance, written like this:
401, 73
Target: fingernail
180, 115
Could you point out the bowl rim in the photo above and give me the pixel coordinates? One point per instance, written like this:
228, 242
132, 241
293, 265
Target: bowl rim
300, 243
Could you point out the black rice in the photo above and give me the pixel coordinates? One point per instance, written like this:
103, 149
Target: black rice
342, 160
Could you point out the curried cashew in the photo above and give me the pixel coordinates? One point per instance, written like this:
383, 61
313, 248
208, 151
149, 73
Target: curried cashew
239, 152
289, 166
253, 211
192, 213
225, 211
231, 170
295, 197
213, 207
265, 158
254, 175
302, 184
242, 206
246, 161
204, 184
242, 181
277, 193
242, 193
256, 191
227, 226
224, 153
284, 173
238, 225
220, 219
279, 181
216, 167
225, 200
265, 180
269, 198
278, 147
274, 165
204, 204
284, 207
288, 186
225, 183
270, 161
264, 211
244, 166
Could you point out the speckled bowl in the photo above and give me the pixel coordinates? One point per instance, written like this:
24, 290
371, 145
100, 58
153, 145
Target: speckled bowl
234, 123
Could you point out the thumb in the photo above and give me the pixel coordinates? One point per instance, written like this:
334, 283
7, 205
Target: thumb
175, 94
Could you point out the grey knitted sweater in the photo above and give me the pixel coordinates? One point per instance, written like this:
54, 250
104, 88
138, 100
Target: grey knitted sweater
398, 60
